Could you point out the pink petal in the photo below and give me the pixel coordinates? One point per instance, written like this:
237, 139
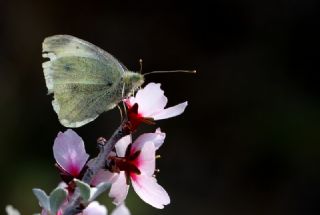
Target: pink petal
94, 208
119, 189
157, 138
146, 161
44, 212
130, 101
69, 152
150, 191
122, 144
171, 112
150, 99
104, 176
121, 210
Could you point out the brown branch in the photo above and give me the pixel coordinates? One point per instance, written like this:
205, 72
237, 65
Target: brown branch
74, 206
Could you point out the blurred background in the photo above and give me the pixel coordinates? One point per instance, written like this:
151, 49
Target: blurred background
249, 141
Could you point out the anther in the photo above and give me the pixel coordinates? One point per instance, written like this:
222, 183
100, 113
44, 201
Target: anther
155, 172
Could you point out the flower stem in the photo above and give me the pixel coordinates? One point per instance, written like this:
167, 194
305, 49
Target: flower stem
74, 206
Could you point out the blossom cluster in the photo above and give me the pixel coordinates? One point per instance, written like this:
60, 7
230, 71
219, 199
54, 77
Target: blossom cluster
131, 162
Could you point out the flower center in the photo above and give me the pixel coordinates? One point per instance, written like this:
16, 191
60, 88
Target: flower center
137, 118
127, 164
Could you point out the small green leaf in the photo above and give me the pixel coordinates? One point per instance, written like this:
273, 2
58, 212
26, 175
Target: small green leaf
102, 187
42, 198
56, 199
84, 188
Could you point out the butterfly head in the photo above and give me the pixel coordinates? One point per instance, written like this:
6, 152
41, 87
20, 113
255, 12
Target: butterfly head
132, 80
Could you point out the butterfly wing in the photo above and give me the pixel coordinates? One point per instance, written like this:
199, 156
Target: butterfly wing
85, 79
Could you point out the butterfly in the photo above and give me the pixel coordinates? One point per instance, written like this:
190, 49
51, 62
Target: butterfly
84, 79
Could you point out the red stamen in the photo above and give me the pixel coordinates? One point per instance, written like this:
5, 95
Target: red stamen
136, 118
126, 164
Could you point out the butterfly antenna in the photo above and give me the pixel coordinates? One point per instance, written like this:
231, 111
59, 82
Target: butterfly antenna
140, 71
172, 71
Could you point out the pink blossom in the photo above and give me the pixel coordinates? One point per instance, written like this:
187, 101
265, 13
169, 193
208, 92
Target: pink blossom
69, 152
149, 104
137, 162
121, 210
94, 208
45, 212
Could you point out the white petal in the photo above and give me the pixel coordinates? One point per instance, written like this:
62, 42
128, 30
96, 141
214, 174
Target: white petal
69, 152
157, 138
146, 161
62, 185
150, 99
150, 191
171, 112
119, 189
122, 144
11, 210
130, 101
94, 208
121, 210
104, 176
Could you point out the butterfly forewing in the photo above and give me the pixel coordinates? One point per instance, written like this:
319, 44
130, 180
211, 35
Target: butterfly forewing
85, 79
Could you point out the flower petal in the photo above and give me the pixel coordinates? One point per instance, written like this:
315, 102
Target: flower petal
130, 101
150, 99
150, 191
171, 112
94, 208
119, 189
121, 210
69, 152
122, 144
104, 176
45, 212
157, 138
146, 161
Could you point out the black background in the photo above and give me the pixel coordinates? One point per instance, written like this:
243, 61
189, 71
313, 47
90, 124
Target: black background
249, 141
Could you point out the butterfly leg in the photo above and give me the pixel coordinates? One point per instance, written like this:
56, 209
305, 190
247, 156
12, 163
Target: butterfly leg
120, 110
124, 106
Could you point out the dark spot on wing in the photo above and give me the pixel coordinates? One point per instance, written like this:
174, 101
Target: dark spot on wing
67, 67
109, 84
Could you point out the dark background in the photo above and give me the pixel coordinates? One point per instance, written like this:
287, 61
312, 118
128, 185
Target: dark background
249, 141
